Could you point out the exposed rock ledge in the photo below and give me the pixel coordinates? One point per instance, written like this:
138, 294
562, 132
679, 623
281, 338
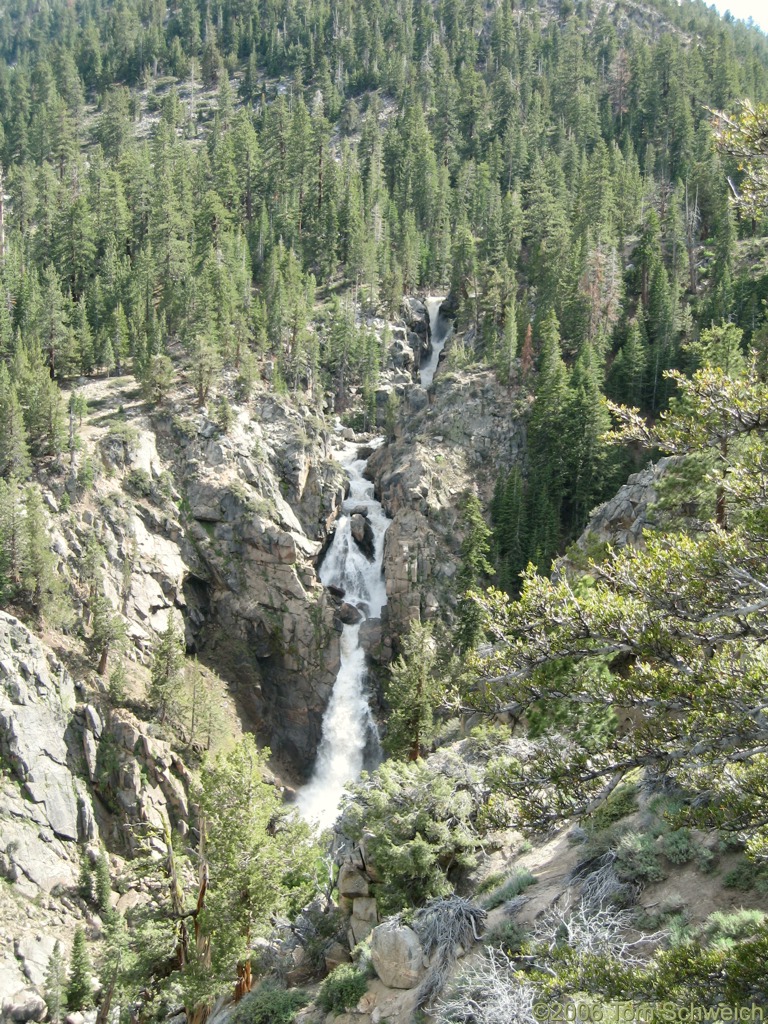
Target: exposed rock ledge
470, 430
45, 811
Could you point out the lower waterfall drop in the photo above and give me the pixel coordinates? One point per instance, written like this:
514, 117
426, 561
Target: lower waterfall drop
353, 565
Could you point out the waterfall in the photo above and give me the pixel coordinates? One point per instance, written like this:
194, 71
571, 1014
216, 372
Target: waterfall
440, 329
350, 739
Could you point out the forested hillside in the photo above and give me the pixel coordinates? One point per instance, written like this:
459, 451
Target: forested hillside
219, 223
232, 186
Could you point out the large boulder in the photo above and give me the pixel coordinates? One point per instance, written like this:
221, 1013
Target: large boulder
362, 534
27, 1005
620, 521
397, 955
34, 952
365, 917
352, 882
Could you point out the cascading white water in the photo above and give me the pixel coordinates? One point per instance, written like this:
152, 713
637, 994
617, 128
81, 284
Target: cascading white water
440, 329
349, 730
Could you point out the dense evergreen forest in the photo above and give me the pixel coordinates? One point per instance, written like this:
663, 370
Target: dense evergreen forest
230, 185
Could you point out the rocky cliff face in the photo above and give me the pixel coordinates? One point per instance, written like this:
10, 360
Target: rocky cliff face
72, 777
258, 503
46, 811
450, 439
45, 808
224, 523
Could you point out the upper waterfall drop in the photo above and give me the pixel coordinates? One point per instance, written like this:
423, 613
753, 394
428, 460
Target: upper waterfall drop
440, 328
349, 735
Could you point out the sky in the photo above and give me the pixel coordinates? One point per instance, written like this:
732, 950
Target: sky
756, 9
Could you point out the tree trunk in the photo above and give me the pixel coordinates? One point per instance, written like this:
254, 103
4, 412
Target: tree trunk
244, 980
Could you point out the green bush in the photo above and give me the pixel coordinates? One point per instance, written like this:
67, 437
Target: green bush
724, 930
600, 840
515, 883
269, 1004
342, 989
326, 926
677, 846
692, 974
138, 483
423, 818
746, 876
509, 936
679, 930
637, 859
667, 807
485, 739
492, 881
704, 857
621, 802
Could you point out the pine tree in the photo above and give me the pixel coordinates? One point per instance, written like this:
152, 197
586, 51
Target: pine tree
108, 629
474, 567
590, 454
165, 688
259, 861
14, 451
41, 580
13, 541
412, 691
509, 529
55, 984
102, 886
548, 448
627, 377
85, 878
508, 347
79, 985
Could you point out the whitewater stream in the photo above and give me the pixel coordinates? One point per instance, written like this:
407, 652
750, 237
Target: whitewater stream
350, 739
440, 327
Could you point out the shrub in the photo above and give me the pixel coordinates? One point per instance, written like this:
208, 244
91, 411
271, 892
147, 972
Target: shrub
679, 930
444, 927
138, 483
433, 830
269, 1004
637, 859
320, 927
485, 739
516, 883
747, 875
488, 990
621, 802
492, 881
689, 973
677, 846
723, 930
600, 841
704, 857
342, 990
509, 937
